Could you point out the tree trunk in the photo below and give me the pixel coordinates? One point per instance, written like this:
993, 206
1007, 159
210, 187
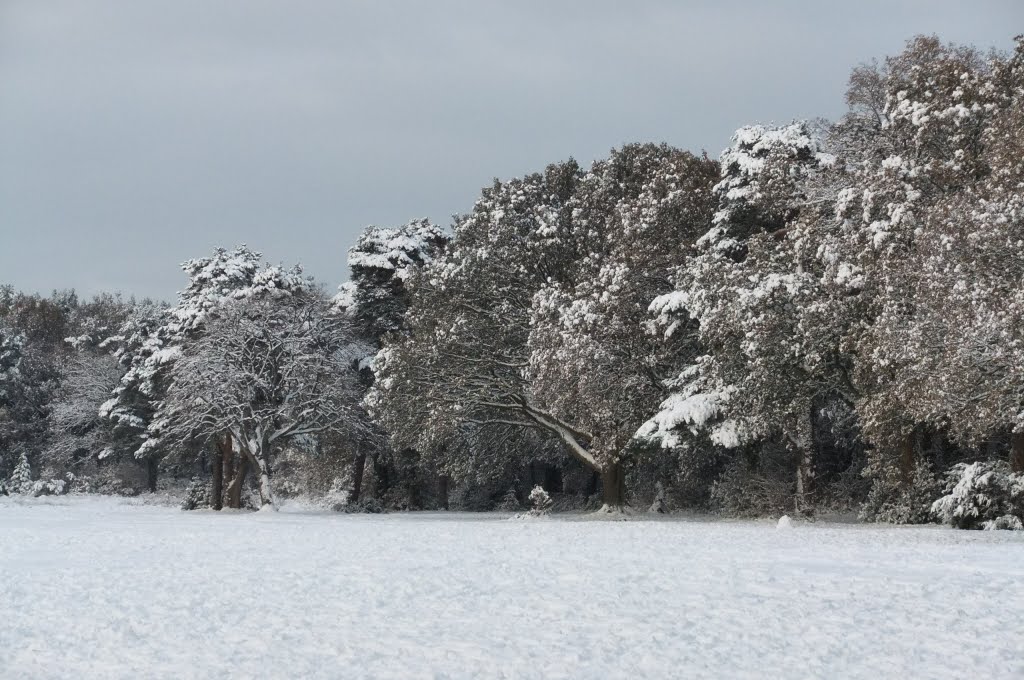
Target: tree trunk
237, 482
151, 472
907, 460
803, 445
613, 487
358, 468
1017, 452
217, 490
805, 481
442, 490
553, 479
262, 466
382, 473
229, 459
223, 449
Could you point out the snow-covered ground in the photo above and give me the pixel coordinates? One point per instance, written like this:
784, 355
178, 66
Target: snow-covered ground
96, 588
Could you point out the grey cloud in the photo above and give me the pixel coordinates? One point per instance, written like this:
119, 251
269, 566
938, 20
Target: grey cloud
134, 135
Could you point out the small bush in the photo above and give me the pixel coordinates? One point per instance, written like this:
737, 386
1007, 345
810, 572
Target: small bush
287, 488
983, 495
364, 505
338, 494
540, 502
53, 487
571, 502
892, 500
1006, 522
197, 495
741, 491
509, 502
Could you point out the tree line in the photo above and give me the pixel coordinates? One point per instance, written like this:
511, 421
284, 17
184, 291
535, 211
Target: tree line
828, 317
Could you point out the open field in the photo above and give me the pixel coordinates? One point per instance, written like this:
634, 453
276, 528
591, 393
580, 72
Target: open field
99, 588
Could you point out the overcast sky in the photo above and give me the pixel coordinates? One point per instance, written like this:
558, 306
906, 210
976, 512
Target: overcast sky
135, 134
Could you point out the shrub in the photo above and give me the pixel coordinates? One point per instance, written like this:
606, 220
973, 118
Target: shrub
339, 493
540, 502
742, 491
1007, 522
53, 487
892, 500
509, 502
366, 505
197, 495
982, 495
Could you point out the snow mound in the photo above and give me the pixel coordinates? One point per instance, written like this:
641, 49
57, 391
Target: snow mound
784, 523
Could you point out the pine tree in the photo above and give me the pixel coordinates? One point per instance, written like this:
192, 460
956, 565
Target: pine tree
21, 479
749, 287
510, 502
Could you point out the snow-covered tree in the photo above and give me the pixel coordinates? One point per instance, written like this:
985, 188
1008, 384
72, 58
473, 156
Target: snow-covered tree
77, 430
896, 179
457, 375
133, 343
509, 502
32, 352
592, 360
964, 349
77, 433
152, 344
771, 359
534, 318
982, 495
882, 275
11, 351
21, 478
380, 263
11, 348
540, 502
266, 370
928, 224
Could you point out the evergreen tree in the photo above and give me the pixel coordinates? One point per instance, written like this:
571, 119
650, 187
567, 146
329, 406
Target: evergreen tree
509, 502
21, 478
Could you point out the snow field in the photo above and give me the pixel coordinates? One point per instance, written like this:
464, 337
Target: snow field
97, 588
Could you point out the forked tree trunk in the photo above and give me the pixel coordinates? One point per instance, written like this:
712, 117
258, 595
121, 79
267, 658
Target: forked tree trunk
1017, 452
613, 487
